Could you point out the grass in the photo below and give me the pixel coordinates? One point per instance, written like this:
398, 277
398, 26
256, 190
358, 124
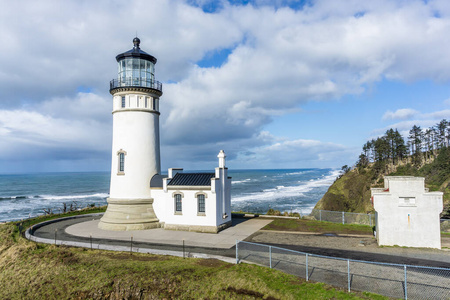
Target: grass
35, 271
30, 222
317, 226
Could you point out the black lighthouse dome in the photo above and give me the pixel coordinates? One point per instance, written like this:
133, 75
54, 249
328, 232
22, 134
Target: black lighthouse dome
136, 52
136, 68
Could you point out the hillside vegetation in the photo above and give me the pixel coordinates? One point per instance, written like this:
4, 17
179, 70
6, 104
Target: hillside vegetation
425, 154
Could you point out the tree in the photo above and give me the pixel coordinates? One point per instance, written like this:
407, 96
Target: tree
400, 150
363, 161
345, 168
442, 133
415, 138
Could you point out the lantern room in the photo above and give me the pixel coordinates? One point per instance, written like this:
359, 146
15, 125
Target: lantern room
136, 68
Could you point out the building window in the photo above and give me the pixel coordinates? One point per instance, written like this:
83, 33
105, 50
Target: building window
154, 104
178, 208
123, 101
137, 101
145, 102
201, 203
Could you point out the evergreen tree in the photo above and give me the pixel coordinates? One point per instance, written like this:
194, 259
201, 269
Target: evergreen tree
400, 147
442, 133
415, 138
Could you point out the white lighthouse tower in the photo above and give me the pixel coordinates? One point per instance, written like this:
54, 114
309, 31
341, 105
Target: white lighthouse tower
135, 147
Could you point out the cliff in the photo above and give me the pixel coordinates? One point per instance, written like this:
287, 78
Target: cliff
351, 191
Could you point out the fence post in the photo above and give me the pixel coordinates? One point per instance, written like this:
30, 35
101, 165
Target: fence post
370, 219
270, 256
406, 286
348, 273
307, 267
343, 218
320, 214
237, 253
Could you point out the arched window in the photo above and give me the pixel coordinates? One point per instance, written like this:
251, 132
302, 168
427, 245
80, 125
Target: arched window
178, 206
201, 203
121, 162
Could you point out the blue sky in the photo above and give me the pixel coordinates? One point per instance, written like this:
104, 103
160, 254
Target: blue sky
276, 84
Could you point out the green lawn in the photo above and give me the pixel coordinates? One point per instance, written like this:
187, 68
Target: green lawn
317, 226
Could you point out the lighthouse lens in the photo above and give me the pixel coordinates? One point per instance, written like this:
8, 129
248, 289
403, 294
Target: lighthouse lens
136, 72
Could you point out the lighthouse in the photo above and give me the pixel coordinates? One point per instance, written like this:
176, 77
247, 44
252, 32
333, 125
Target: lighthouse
136, 142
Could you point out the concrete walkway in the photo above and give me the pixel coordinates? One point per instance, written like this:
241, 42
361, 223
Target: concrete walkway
225, 239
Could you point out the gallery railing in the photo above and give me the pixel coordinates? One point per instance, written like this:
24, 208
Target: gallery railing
135, 82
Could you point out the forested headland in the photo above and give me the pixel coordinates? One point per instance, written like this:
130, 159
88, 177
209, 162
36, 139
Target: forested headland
424, 152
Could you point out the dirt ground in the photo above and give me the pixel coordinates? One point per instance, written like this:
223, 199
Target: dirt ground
360, 247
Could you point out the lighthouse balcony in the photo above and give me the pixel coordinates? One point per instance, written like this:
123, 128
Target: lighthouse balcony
135, 82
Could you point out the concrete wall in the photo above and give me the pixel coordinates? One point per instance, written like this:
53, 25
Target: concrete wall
136, 133
217, 204
407, 215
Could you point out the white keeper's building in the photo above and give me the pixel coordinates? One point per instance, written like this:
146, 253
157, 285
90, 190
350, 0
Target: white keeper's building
140, 196
407, 214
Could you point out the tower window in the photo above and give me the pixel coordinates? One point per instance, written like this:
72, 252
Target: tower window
145, 102
201, 203
154, 104
178, 207
123, 101
121, 162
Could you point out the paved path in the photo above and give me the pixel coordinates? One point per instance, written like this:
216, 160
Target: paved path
358, 247
83, 230
225, 239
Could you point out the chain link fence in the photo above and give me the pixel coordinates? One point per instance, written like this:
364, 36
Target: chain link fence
392, 280
343, 217
357, 218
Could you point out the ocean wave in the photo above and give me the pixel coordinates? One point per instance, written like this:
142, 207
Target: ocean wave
297, 173
241, 181
281, 191
14, 197
72, 197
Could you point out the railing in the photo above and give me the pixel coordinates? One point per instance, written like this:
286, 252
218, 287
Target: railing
138, 82
343, 217
357, 218
392, 280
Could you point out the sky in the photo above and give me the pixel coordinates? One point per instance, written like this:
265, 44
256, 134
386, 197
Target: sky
276, 84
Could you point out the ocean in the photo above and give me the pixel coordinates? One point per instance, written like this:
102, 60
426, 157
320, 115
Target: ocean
28, 195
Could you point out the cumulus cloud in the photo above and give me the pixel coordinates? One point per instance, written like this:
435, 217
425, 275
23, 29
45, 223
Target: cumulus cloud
296, 154
280, 56
400, 114
63, 133
423, 120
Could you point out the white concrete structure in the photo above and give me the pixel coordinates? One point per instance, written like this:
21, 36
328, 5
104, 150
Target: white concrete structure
193, 201
136, 162
406, 213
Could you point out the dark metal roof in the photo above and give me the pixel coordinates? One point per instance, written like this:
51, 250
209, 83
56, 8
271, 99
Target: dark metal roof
157, 180
195, 179
136, 52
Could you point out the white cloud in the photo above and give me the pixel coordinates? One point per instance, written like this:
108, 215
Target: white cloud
64, 132
297, 154
422, 120
400, 114
280, 59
